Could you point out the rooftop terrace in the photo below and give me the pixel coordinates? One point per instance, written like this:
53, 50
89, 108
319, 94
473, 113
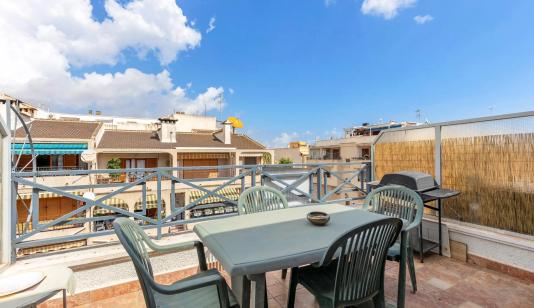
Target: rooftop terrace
488, 239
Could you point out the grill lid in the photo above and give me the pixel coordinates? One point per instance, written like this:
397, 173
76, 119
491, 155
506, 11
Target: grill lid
417, 181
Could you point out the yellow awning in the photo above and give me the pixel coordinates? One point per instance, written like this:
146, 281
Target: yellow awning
115, 202
202, 155
151, 203
229, 192
46, 194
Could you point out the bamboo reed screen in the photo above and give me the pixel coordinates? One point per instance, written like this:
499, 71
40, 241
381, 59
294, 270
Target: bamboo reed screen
491, 163
404, 150
495, 175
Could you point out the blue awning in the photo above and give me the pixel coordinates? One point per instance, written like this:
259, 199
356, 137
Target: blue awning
49, 148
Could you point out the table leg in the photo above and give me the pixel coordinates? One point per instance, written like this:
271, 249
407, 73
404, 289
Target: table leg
241, 289
260, 289
439, 226
64, 298
402, 272
421, 253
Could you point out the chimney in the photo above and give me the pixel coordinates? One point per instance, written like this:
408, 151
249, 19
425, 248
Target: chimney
167, 130
227, 131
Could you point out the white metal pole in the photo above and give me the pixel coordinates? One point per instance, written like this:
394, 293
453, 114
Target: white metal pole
5, 205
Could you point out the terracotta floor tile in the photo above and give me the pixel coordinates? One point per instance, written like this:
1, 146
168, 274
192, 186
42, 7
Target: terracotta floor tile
469, 304
439, 283
442, 282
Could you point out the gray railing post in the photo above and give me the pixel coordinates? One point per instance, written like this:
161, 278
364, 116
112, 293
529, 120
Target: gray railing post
159, 205
14, 218
253, 177
143, 198
325, 182
310, 184
173, 196
319, 186
437, 154
361, 177
34, 207
242, 171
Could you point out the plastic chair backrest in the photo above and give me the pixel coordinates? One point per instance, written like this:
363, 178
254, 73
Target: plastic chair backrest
361, 258
134, 240
396, 201
261, 199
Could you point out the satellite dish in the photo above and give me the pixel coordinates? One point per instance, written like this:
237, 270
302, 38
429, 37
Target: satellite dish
88, 156
236, 123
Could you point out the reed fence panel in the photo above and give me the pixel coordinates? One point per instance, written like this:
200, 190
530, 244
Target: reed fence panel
491, 162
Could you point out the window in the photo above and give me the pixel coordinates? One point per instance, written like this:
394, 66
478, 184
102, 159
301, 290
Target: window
43, 161
366, 153
250, 160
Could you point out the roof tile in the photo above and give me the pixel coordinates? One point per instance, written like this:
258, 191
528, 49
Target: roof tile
60, 129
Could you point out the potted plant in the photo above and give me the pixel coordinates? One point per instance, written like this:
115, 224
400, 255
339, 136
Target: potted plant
285, 161
114, 163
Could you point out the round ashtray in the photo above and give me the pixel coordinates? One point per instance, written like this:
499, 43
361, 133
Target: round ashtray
318, 218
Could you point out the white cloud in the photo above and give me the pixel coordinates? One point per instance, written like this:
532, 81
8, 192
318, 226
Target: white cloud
328, 3
385, 8
211, 25
48, 38
283, 140
231, 91
423, 19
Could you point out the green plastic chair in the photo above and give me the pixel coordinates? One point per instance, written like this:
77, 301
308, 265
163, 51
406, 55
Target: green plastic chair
351, 272
406, 204
260, 199
205, 289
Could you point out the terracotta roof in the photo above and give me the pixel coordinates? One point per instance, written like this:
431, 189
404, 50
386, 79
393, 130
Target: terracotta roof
148, 140
131, 140
60, 129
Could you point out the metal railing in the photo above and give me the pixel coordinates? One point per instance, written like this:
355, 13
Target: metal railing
51, 168
309, 181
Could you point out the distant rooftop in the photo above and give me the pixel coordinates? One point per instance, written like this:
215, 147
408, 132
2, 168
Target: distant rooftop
367, 129
150, 140
60, 129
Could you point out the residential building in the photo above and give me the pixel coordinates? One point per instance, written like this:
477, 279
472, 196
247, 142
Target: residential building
60, 142
26, 110
297, 151
354, 146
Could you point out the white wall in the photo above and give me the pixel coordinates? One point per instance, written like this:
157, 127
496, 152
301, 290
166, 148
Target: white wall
5, 196
188, 122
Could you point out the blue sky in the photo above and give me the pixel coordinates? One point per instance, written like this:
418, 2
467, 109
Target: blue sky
310, 68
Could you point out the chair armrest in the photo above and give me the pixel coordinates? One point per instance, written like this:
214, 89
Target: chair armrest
411, 226
211, 278
177, 247
418, 219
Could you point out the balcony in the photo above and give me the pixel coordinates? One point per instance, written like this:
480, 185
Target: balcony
486, 259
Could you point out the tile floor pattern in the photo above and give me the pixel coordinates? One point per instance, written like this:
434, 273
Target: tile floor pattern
442, 282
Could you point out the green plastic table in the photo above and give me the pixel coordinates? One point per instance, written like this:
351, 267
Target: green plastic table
248, 246
58, 279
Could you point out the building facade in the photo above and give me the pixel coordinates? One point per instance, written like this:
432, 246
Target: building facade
95, 142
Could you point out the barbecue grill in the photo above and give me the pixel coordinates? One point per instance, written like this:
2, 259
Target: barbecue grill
429, 190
